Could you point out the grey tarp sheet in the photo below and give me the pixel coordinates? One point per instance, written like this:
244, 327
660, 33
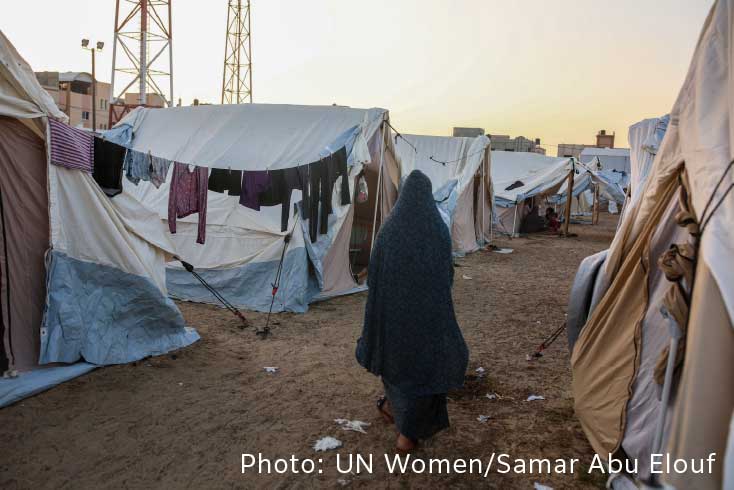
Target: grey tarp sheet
106, 316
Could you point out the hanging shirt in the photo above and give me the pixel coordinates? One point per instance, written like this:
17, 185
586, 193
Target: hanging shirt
71, 147
221, 180
108, 161
158, 171
188, 196
253, 183
137, 166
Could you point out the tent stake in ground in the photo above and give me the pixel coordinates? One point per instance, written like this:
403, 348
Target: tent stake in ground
276, 284
216, 294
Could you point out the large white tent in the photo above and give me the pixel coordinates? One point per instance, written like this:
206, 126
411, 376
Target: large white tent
81, 277
243, 247
653, 363
644, 138
608, 158
517, 176
459, 169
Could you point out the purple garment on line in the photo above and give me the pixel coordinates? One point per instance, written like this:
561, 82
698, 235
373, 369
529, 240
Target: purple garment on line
71, 147
253, 183
188, 196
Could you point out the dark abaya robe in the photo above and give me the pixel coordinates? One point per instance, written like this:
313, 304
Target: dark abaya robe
410, 336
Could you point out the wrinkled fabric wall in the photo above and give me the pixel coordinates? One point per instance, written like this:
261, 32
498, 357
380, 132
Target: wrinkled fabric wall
705, 400
24, 239
104, 315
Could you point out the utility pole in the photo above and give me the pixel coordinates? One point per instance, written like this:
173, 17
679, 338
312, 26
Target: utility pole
237, 76
100, 45
141, 48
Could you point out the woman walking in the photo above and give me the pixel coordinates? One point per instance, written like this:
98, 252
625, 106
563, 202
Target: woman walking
410, 336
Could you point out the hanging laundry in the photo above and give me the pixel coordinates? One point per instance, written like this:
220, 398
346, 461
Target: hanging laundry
188, 196
108, 161
221, 180
253, 183
137, 166
324, 175
338, 168
158, 171
71, 147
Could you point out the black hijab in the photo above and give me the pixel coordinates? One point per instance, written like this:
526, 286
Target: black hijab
410, 335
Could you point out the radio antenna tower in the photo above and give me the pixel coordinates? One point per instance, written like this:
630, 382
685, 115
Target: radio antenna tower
237, 78
143, 35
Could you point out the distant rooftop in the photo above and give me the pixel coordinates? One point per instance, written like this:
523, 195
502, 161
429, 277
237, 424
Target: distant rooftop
607, 152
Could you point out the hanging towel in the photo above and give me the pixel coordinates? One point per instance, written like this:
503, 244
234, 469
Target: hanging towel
108, 161
188, 196
71, 147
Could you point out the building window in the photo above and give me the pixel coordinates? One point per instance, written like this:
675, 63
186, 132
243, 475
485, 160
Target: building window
85, 115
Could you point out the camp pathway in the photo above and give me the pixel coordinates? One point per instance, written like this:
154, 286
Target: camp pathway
183, 420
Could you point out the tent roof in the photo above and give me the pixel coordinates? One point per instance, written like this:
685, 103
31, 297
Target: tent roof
457, 152
247, 136
605, 152
21, 96
533, 173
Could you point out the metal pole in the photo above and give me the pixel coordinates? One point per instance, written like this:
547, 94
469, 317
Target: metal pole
481, 228
514, 221
379, 185
595, 209
569, 194
114, 57
94, 94
142, 99
226, 44
170, 52
249, 47
238, 51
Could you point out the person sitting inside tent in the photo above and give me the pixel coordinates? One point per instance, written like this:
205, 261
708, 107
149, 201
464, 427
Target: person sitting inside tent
410, 336
551, 220
532, 223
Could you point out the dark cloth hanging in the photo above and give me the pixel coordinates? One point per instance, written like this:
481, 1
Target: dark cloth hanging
410, 335
282, 184
187, 196
254, 182
323, 176
221, 180
107, 169
315, 181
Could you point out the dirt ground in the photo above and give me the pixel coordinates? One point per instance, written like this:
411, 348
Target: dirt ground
184, 420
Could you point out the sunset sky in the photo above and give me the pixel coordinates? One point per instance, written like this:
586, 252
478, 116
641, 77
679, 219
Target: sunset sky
556, 70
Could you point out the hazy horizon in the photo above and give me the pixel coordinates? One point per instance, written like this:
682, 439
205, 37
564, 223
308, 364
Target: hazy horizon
559, 71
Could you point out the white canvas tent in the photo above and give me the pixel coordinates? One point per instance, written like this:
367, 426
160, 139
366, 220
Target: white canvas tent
608, 158
81, 277
667, 286
459, 169
644, 139
517, 176
243, 247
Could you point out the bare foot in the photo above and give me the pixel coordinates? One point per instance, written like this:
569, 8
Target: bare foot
405, 444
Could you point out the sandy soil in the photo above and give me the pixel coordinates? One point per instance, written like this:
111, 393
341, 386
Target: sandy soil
183, 420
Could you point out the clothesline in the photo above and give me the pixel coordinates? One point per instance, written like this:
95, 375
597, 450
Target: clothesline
444, 163
107, 161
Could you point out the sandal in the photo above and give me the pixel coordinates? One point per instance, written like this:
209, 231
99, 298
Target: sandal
384, 413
